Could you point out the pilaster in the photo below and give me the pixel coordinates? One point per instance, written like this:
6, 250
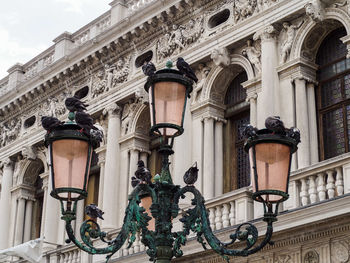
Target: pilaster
16, 75
63, 45
119, 11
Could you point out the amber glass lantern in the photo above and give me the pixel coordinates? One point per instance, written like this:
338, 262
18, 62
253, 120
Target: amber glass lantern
270, 157
168, 90
70, 153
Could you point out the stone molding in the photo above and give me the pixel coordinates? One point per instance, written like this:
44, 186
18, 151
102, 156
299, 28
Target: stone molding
298, 68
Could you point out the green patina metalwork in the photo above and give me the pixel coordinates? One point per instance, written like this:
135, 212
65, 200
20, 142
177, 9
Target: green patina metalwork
163, 244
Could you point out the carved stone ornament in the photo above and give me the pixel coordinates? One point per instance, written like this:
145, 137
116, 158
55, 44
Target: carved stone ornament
340, 252
284, 259
244, 9
99, 84
142, 96
221, 57
288, 36
121, 72
315, 10
9, 131
202, 73
253, 53
178, 37
311, 257
268, 33
112, 110
128, 115
29, 152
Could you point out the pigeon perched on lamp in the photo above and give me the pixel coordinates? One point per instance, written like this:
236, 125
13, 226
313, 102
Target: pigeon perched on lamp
142, 173
275, 125
148, 68
191, 175
49, 123
248, 131
93, 211
75, 104
185, 69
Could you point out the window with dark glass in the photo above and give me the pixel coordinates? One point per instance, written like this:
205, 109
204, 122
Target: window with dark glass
236, 162
333, 95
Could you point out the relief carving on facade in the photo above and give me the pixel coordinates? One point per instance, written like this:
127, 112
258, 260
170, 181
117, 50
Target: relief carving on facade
315, 10
128, 115
99, 84
311, 257
221, 57
121, 71
9, 131
340, 252
244, 9
340, 4
288, 35
202, 73
253, 53
178, 37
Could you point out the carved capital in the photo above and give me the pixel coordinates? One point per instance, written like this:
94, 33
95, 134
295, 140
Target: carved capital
112, 110
29, 152
267, 34
6, 163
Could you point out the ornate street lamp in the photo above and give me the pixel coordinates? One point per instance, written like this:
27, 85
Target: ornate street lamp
270, 152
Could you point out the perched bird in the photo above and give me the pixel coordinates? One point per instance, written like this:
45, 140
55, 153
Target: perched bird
96, 134
191, 175
148, 68
294, 133
185, 69
135, 182
49, 123
85, 121
75, 104
248, 131
93, 211
142, 173
275, 125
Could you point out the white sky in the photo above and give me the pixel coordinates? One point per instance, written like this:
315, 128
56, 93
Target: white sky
27, 27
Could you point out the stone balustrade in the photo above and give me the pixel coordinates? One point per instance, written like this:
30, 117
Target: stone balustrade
4, 85
135, 5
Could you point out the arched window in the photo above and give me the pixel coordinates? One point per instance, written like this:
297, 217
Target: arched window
236, 163
333, 96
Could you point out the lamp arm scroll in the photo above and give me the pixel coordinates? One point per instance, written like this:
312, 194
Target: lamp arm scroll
196, 219
135, 219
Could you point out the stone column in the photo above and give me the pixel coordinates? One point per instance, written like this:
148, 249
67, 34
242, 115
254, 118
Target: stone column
52, 212
134, 158
21, 204
253, 110
101, 163
219, 157
28, 220
197, 149
208, 160
80, 217
111, 176
311, 102
5, 203
302, 122
269, 96
144, 157
123, 184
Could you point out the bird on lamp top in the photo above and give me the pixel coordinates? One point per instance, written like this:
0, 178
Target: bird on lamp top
248, 131
142, 173
275, 125
75, 104
191, 175
185, 69
148, 68
93, 211
294, 133
50, 123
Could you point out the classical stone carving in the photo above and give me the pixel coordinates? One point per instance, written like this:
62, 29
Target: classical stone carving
244, 9
315, 10
178, 37
9, 131
340, 252
221, 57
311, 257
111, 109
253, 53
29, 152
266, 34
128, 115
55, 105
289, 31
202, 73
141, 95
284, 259
99, 84
120, 72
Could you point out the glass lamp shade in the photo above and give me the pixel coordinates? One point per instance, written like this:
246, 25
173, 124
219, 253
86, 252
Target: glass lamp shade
168, 91
70, 160
270, 158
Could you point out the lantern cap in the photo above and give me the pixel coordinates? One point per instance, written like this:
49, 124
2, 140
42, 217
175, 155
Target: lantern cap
169, 75
268, 136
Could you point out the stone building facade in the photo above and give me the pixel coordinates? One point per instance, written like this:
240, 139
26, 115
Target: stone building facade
253, 59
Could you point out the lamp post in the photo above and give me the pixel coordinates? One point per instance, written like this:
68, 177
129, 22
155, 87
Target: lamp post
270, 155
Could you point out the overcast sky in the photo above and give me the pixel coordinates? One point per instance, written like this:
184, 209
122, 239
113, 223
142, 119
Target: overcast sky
27, 27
